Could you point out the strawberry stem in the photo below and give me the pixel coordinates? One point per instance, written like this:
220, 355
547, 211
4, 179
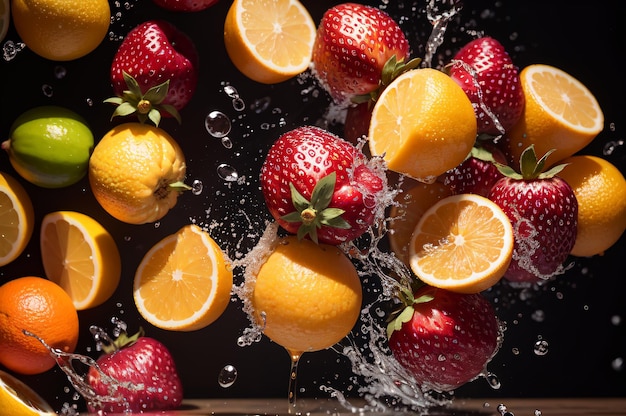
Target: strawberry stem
316, 213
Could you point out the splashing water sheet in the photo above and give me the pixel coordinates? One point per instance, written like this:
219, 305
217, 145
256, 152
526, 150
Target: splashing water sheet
570, 328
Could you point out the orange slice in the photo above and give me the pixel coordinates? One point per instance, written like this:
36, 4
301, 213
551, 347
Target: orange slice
81, 256
422, 124
16, 218
18, 399
463, 243
184, 281
560, 113
269, 41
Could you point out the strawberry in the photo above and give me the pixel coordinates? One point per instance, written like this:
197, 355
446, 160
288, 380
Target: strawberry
476, 174
318, 185
486, 73
136, 374
544, 212
357, 50
154, 71
444, 339
185, 5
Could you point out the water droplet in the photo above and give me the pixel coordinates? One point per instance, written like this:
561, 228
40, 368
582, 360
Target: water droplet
538, 412
217, 124
611, 146
538, 316
10, 49
227, 143
261, 104
89, 102
196, 187
493, 380
227, 376
227, 172
231, 91
617, 364
60, 72
616, 320
47, 90
239, 104
541, 347
515, 351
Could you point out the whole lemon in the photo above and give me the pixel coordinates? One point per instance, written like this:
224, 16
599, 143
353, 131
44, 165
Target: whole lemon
61, 30
50, 146
136, 172
5, 18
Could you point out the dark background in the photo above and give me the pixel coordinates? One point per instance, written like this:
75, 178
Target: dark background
583, 311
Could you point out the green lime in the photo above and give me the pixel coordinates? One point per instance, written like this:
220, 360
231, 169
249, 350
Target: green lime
50, 146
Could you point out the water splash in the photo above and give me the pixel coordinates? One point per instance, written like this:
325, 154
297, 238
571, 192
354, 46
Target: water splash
439, 13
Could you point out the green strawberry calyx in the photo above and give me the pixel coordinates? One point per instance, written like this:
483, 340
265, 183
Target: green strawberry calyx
146, 106
531, 167
316, 213
122, 341
392, 69
405, 313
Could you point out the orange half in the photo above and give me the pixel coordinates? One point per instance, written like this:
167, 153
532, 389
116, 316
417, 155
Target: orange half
463, 243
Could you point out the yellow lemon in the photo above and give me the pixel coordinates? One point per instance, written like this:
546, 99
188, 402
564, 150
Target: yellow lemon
61, 30
184, 282
81, 256
269, 41
422, 124
17, 218
463, 243
136, 172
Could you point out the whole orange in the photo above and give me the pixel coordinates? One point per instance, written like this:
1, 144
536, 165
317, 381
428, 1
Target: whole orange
43, 308
306, 296
61, 30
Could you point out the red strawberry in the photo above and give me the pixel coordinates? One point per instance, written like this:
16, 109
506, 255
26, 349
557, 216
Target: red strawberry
477, 174
317, 184
185, 5
162, 63
144, 377
544, 212
444, 339
495, 83
356, 49
357, 122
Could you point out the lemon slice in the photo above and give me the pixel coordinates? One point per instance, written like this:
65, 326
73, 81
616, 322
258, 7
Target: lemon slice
17, 399
16, 218
81, 256
269, 41
560, 113
184, 281
463, 243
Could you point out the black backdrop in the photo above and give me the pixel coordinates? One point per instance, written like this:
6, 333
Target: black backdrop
583, 312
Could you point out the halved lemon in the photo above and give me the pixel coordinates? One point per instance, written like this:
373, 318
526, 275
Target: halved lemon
560, 113
81, 256
269, 41
422, 124
463, 243
16, 218
184, 281
18, 399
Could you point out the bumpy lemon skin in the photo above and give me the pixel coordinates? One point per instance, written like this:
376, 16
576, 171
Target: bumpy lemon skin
131, 170
50, 146
61, 30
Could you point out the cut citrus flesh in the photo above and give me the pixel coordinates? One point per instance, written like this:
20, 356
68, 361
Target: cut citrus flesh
80, 255
16, 218
422, 124
184, 281
269, 41
463, 243
18, 399
560, 113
